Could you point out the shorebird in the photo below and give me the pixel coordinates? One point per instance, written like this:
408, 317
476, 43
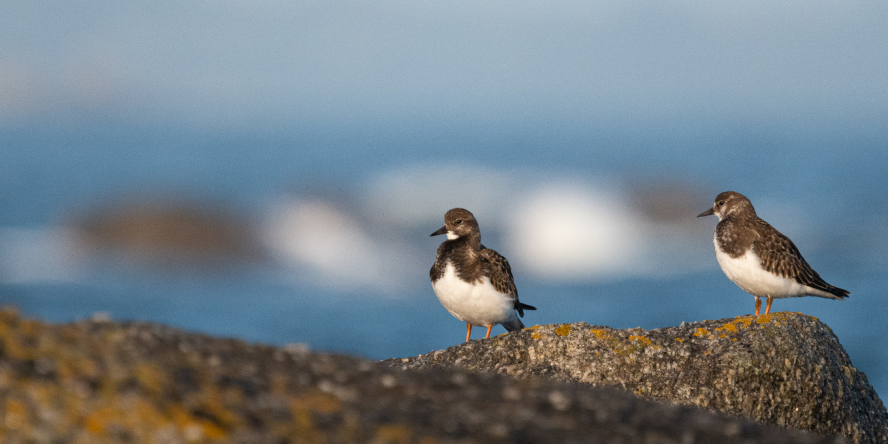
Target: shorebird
760, 259
474, 283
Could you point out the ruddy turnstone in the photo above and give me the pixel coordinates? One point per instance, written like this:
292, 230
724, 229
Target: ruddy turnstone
760, 259
472, 282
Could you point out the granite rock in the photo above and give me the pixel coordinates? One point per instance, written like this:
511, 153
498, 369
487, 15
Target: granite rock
98, 381
785, 369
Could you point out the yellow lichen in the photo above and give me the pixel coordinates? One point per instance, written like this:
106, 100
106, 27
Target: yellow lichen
97, 421
622, 347
601, 334
317, 401
564, 330
17, 415
187, 421
393, 433
151, 378
742, 321
303, 408
643, 339
729, 327
632, 345
701, 332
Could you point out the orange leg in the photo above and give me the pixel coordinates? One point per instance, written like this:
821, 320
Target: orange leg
468, 331
768, 308
488, 330
758, 305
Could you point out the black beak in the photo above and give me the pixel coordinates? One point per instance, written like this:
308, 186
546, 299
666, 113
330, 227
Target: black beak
708, 212
443, 230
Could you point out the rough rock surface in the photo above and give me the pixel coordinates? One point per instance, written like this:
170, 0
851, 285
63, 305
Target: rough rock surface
785, 368
105, 382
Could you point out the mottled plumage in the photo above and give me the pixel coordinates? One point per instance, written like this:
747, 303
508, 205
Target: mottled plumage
474, 283
760, 259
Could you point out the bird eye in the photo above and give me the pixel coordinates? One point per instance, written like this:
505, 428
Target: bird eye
458, 221
721, 202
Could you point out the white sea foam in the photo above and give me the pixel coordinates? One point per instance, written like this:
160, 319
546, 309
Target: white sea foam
571, 229
39, 255
331, 247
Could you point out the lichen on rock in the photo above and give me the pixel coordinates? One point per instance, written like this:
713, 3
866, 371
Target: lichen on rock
786, 369
99, 381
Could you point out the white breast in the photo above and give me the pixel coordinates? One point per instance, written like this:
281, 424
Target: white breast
478, 304
748, 273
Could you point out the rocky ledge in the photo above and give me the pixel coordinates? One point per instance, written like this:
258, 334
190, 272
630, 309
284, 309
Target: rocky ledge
105, 382
786, 369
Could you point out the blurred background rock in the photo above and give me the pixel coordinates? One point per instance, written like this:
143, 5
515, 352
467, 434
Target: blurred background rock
167, 234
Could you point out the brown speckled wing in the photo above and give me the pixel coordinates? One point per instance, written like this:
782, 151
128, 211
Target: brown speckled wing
497, 267
781, 257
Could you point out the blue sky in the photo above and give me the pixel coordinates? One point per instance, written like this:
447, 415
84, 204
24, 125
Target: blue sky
271, 63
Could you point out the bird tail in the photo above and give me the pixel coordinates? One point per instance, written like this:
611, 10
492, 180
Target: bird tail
839, 293
827, 291
521, 307
513, 325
